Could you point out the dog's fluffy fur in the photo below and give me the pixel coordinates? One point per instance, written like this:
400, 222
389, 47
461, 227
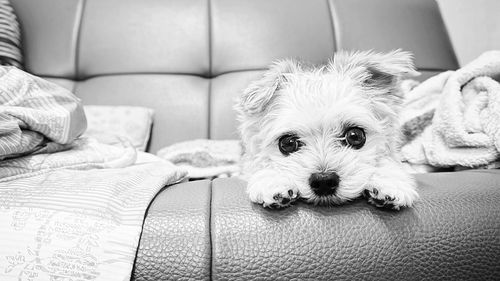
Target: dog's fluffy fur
317, 104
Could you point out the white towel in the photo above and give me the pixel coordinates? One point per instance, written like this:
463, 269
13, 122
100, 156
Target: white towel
465, 110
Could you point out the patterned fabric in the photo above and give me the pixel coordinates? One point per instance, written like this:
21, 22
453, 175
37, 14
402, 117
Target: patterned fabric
10, 36
36, 115
63, 219
83, 154
110, 124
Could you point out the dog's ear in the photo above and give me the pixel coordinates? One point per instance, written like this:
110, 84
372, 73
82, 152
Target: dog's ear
385, 71
379, 73
382, 77
260, 93
382, 71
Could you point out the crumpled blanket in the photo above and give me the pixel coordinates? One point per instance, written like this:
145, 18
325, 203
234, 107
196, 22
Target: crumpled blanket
77, 214
453, 118
36, 116
70, 208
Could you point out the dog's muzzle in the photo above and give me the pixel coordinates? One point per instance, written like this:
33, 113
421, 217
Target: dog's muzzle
324, 184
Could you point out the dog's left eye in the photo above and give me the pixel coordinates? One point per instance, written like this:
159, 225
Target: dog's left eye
355, 137
289, 144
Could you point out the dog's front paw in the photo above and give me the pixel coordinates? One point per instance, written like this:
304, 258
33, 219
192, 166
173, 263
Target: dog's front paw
392, 194
272, 191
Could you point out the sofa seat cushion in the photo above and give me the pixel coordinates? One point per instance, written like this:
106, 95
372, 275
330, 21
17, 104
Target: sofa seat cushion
175, 240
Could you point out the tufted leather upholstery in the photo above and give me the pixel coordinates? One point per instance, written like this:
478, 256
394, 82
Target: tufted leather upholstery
188, 60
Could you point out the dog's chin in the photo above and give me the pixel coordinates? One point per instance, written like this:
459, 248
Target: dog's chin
328, 200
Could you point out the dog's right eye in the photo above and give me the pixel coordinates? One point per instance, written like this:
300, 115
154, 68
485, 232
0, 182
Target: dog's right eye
289, 144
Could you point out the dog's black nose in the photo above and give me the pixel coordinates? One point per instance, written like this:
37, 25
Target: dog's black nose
323, 184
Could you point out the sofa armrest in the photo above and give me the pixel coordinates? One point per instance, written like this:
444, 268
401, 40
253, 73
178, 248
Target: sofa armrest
453, 233
175, 241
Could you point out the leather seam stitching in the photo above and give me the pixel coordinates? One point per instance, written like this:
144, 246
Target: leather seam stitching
77, 42
210, 269
210, 72
333, 25
187, 74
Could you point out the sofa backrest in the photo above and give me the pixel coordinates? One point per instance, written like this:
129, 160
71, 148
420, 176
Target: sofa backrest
188, 60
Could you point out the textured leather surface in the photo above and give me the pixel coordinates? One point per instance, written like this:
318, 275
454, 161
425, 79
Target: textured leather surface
49, 35
224, 91
383, 25
215, 45
175, 241
453, 233
130, 36
251, 34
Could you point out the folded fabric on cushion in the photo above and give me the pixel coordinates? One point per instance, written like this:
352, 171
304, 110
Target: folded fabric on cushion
204, 158
113, 124
36, 115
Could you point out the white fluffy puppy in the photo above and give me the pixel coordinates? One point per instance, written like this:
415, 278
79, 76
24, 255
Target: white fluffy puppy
326, 134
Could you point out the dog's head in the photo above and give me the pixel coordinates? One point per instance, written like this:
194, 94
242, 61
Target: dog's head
324, 127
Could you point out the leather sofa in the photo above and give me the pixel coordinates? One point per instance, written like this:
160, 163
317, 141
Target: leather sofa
188, 60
